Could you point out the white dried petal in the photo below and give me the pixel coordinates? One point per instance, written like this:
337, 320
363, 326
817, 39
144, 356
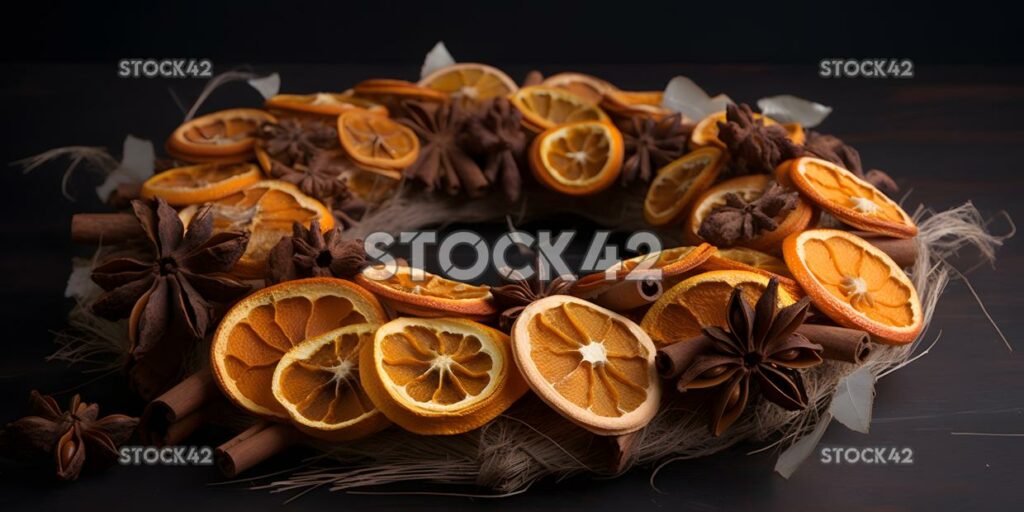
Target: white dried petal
790, 460
136, 166
437, 58
854, 400
684, 96
268, 86
787, 108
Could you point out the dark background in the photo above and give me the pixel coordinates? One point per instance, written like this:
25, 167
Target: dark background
949, 135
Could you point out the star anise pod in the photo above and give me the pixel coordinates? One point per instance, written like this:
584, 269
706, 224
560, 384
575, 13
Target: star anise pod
753, 147
292, 139
833, 149
66, 438
520, 292
311, 253
178, 282
650, 144
759, 350
318, 174
497, 134
739, 221
443, 162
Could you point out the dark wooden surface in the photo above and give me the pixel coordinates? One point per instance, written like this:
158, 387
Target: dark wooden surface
949, 135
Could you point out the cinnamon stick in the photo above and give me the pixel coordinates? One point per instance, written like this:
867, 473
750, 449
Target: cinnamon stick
840, 343
630, 294
95, 228
673, 360
620, 451
124, 194
174, 415
256, 444
903, 251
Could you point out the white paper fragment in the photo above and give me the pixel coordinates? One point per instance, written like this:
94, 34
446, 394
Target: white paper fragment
787, 108
136, 166
80, 284
854, 399
683, 95
438, 57
268, 86
790, 460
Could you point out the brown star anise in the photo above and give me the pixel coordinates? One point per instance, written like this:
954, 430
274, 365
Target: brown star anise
176, 284
443, 162
739, 221
308, 155
513, 297
66, 437
311, 253
293, 139
651, 144
759, 351
497, 134
753, 147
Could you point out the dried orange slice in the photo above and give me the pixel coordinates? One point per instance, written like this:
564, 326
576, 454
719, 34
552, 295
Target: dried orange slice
742, 258
749, 188
635, 103
670, 264
228, 134
372, 185
377, 141
420, 293
200, 183
388, 89
578, 158
323, 103
546, 107
678, 183
317, 382
851, 199
700, 301
470, 82
590, 88
706, 131
593, 366
266, 210
261, 328
440, 376
855, 284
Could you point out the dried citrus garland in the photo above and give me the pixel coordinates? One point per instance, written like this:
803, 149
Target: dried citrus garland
342, 350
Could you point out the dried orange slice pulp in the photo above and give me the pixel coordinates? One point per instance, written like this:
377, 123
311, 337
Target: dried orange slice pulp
706, 131
851, 199
590, 88
671, 263
700, 301
440, 376
377, 141
545, 107
742, 258
323, 103
593, 366
855, 284
749, 188
470, 82
579, 158
420, 293
317, 382
261, 328
678, 183
386, 89
635, 103
266, 210
224, 134
373, 185
200, 183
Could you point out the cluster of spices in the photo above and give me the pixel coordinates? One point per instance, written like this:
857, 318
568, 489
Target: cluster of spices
245, 247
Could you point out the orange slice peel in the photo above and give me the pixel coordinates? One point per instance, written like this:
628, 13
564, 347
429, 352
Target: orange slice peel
377, 141
470, 82
546, 107
228, 134
202, 183
420, 293
580, 158
323, 103
677, 184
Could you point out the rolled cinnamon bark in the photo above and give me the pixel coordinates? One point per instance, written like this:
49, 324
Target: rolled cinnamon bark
839, 343
903, 251
620, 450
256, 444
672, 360
174, 415
630, 294
95, 228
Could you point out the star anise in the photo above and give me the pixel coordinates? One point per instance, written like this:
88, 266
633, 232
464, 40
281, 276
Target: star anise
753, 147
178, 282
311, 253
443, 162
66, 437
833, 149
308, 155
650, 144
497, 133
294, 139
739, 221
520, 292
759, 350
